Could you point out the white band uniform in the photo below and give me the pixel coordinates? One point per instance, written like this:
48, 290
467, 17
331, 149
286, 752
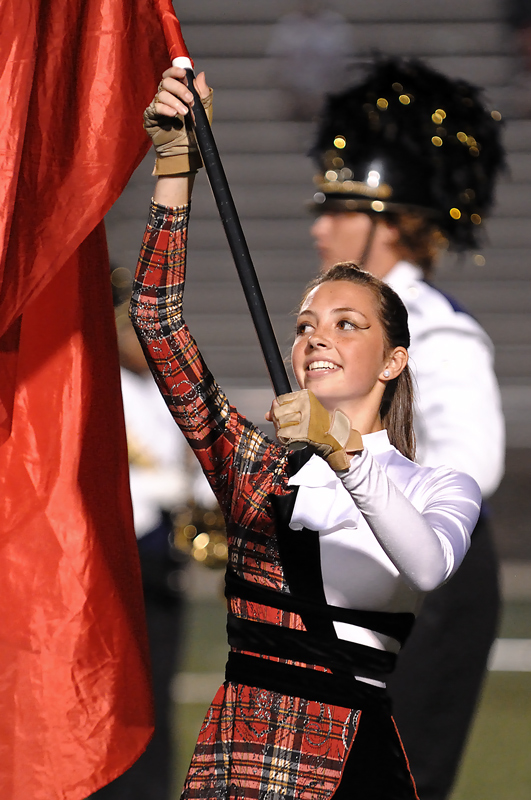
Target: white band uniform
402, 529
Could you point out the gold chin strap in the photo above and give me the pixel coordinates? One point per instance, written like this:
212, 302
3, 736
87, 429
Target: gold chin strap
368, 243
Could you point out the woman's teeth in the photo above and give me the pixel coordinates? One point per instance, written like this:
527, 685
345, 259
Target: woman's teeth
321, 365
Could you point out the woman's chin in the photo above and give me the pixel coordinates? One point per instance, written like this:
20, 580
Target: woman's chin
324, 397
320, 380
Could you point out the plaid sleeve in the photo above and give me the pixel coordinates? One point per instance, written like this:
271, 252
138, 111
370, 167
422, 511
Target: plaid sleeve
231, 450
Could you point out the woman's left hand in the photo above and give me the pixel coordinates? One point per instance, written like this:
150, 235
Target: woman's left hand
300, 417
164, 121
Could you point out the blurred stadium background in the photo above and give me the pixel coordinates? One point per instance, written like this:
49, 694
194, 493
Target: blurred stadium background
264, 156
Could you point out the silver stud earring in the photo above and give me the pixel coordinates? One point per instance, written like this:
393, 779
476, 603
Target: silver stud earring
386, 373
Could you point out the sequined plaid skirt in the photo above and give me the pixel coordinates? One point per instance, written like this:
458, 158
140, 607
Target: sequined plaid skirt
262, 745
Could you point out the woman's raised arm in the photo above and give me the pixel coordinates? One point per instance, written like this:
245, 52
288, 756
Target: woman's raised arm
228, 447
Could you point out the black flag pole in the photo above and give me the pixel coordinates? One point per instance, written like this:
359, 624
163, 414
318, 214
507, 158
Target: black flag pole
226, 206
238, 244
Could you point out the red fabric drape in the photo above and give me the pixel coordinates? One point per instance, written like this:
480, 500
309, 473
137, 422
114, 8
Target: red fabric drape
75, 706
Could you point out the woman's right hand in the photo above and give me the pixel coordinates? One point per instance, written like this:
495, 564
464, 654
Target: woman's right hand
300, 417
165, 122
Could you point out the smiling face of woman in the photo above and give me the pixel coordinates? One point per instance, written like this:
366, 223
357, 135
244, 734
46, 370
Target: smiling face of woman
339, 351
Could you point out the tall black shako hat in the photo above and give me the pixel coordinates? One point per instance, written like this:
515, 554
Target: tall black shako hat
410, 139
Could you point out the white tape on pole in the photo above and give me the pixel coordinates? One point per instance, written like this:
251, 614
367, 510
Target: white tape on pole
182, 62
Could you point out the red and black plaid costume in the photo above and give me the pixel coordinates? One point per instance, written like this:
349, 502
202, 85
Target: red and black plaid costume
290, 715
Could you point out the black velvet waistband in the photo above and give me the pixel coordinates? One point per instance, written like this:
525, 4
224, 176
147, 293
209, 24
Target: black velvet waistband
310, 684
338, 655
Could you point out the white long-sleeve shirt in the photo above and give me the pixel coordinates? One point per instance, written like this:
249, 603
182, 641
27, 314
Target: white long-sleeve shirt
458, 414
389, 530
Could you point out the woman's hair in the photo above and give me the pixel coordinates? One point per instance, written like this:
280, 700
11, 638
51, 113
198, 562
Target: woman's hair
396, 409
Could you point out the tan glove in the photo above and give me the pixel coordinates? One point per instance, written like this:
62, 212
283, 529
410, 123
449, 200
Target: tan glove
174, 140
300, 417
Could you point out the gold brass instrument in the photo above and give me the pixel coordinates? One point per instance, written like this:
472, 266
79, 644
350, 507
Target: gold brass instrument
200, 533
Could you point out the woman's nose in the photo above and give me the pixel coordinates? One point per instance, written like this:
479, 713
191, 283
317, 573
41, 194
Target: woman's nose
318, 339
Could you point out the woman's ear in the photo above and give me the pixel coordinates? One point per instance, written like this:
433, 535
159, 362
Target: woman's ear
396, 362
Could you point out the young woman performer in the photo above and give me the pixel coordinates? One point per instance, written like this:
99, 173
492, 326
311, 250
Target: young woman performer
331, 549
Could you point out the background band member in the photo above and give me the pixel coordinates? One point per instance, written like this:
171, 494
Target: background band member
407, 165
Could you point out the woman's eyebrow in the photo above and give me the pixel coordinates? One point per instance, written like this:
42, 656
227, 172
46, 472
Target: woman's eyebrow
333, 311
347, 308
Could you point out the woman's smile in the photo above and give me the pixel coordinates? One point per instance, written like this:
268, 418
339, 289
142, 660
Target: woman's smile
319, 367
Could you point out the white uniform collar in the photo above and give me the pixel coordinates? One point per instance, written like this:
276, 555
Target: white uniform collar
402, 274
377, 442
322, 502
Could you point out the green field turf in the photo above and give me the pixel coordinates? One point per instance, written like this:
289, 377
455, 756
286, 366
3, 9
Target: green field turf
497, 764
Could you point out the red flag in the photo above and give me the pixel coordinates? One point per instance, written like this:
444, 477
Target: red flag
75, 706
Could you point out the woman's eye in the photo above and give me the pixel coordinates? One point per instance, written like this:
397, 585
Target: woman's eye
346, 325
302, 328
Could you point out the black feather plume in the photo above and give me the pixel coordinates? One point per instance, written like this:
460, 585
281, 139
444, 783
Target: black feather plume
438, 147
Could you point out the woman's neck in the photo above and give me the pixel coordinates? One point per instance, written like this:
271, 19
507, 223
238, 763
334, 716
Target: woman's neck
364, 420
